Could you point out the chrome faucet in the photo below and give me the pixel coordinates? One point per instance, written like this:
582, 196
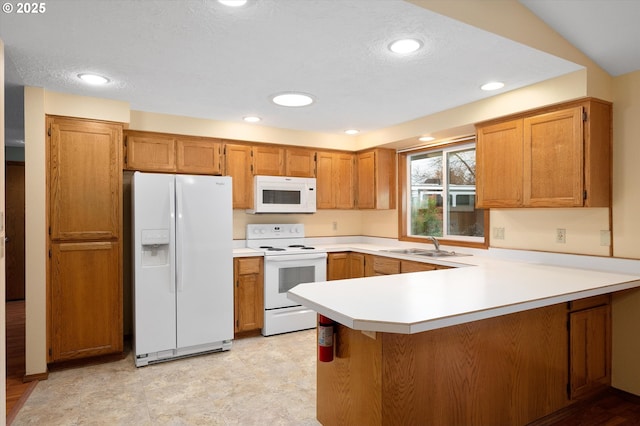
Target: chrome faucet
435, 243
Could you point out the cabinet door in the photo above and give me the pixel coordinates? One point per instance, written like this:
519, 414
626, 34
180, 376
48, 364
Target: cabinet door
356, 265
268, 160
366, 180
343, 180
249, 294
337, 266
499, 165
325, 180
553, 159
385, 265
300, 162
199, 156
86, 300
150, 153
376, 179
85, 179
238, 165
590, 350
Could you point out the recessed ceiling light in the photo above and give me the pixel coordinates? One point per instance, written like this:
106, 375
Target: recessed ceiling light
292, 99
426, 138
251, 119
405, 46
93, 78
233, 3
352, 131
493, 85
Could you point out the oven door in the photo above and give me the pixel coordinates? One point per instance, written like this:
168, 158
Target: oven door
283, 272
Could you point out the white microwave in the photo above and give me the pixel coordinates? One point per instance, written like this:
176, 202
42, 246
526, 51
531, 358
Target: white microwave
282, 194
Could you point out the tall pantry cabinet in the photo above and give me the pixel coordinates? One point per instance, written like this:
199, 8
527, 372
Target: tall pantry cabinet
84, 183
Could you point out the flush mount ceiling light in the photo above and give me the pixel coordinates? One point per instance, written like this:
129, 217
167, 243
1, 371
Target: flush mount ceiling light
493, 85
292, 99
233, 3
251, 119
93, 78
426, 138
405, 46
352, 132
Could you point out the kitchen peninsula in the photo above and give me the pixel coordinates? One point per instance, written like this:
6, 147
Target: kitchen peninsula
496, 343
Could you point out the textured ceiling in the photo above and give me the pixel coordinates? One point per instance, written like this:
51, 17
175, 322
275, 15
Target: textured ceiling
203, 59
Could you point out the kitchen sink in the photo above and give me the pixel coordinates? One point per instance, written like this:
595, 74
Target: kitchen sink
407, 250
441, 253
426, 252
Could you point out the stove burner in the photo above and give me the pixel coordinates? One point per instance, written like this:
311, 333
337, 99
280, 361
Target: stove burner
302, 246
308, 248
266, 247
275, 249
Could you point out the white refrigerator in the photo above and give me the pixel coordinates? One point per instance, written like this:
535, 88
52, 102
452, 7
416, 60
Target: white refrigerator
183, 265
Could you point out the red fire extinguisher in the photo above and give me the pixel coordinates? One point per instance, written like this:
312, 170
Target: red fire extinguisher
325, 339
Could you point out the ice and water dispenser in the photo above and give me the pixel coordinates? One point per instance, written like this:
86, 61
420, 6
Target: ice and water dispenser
155, 247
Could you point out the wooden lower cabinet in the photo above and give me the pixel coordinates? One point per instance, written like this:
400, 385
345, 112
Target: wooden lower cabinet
589, 346
86, 301
508, 370
248, 294
345, 265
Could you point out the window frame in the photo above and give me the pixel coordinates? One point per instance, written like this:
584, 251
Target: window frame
404, 196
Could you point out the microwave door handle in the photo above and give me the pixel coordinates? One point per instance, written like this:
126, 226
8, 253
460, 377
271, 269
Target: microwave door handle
286, 258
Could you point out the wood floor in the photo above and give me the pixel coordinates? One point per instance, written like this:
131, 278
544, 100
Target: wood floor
610, 408
17, 391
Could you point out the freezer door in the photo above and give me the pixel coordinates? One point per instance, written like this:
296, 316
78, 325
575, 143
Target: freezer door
154, 306
204, 253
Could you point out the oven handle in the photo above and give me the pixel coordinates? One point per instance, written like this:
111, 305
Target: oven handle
286, 258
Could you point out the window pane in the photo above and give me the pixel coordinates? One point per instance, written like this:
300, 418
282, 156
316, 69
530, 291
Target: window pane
463, 218
426, 194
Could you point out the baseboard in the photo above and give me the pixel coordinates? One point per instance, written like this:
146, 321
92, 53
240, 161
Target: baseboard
35, 377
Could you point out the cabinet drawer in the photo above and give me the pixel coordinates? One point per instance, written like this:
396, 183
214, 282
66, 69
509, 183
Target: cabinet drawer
589, 302
248, 265
409, 266
386, 266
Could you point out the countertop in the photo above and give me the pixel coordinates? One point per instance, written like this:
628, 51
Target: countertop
481, 287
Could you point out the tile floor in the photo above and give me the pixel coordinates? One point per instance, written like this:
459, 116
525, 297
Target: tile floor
260, 380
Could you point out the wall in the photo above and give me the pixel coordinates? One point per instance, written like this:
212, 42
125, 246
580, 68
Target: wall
626, 227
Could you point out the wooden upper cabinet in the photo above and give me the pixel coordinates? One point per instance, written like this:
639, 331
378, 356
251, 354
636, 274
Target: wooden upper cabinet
335, 174
85, 179
565, 157
300, 162
268, 160
238, 165
553, 155
150, 152
165, 153
199, 156
499, 159
376, 179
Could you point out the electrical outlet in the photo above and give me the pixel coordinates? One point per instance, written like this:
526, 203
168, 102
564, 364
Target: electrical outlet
498, 233
561, 235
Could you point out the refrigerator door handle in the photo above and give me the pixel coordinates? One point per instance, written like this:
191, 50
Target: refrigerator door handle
172, 233
179, 233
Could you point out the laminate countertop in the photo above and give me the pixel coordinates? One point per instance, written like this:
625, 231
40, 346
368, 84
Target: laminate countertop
478, 288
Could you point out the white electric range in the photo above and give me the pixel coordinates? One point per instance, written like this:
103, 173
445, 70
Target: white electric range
288, 261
